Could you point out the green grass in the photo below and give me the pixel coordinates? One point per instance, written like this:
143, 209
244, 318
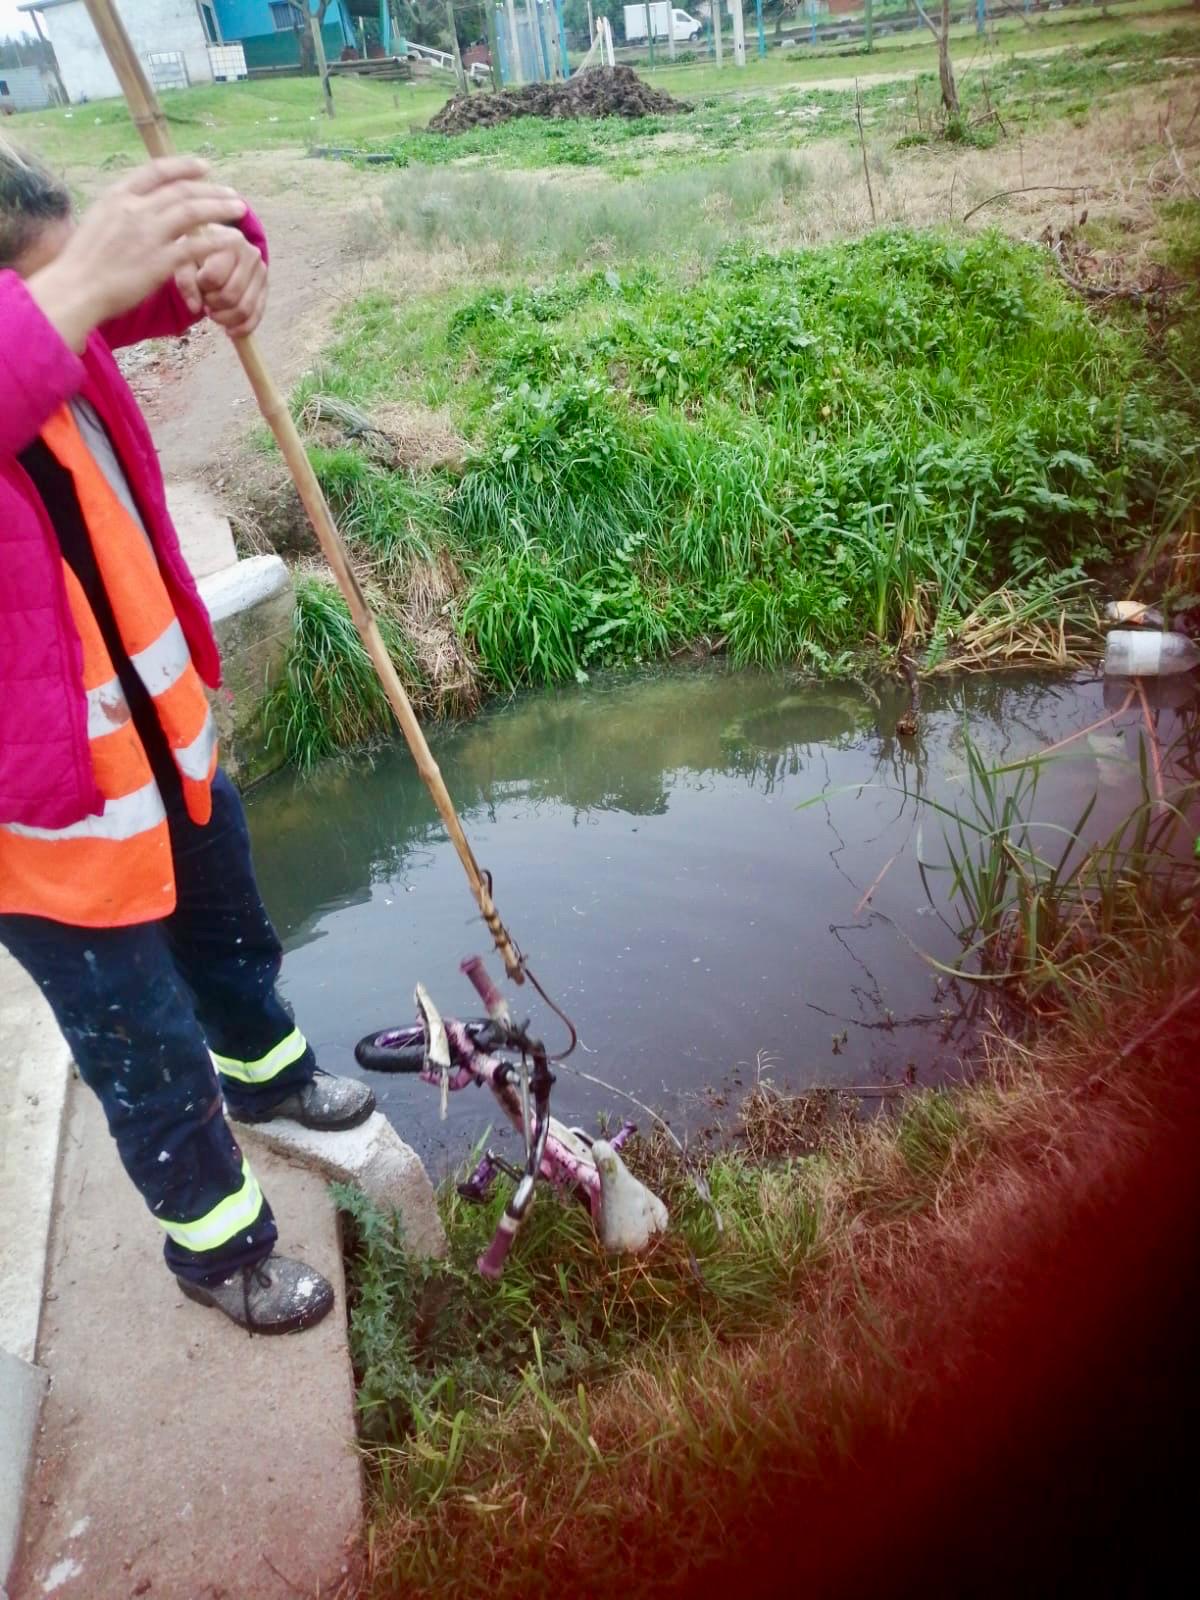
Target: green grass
779, 112
801, 455
736, 110
631, 1406
229, 119
804, 455
330, 698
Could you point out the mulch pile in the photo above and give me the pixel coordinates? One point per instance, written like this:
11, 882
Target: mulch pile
599, 92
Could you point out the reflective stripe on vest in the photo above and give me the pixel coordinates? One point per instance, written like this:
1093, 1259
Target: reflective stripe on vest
145, 617
281, 1056
237, 1211
121, 819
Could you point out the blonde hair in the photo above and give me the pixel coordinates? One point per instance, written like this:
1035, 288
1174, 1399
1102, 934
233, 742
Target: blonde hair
30, 197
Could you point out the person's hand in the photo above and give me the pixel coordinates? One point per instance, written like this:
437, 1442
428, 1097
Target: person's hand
138, 234
230, 284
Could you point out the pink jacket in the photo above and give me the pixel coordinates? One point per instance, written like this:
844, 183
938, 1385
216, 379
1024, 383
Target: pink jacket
45, 768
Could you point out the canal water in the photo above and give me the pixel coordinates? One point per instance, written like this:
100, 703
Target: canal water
714, 872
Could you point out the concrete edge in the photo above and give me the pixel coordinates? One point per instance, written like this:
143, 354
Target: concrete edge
22, 1389
39, 1065
375, 1159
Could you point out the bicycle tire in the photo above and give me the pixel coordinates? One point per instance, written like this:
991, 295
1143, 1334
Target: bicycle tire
391, 1050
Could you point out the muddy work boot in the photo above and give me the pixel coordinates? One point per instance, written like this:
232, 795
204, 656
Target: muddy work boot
276, 1296
326, 1103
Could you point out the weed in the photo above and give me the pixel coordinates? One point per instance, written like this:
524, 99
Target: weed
329, 697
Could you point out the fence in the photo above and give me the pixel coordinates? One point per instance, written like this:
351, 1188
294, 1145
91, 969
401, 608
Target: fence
531, 40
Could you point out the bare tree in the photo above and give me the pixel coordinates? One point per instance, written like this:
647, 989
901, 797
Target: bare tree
941, 32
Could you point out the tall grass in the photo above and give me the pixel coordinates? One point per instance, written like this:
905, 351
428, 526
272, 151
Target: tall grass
816, 451
909, 441
513, 221
330, 698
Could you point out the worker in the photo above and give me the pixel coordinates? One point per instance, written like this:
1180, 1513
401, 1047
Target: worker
127, 890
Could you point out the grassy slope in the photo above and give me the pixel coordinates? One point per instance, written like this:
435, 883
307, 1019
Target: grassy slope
644, 1409
801, 455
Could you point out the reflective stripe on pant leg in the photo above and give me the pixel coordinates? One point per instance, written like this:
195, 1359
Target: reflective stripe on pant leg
277, 1059
237, 1212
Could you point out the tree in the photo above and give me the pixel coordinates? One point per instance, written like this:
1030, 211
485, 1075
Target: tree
941, 32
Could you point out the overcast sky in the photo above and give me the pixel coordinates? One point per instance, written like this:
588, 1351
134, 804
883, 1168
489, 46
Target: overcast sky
11, 21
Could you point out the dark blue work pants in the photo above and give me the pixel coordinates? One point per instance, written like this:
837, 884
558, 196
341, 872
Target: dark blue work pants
142, 1007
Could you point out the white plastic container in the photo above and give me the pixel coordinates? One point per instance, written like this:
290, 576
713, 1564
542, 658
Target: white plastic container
1147, 654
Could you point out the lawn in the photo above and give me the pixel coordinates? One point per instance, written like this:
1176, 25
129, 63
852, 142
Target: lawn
230, 119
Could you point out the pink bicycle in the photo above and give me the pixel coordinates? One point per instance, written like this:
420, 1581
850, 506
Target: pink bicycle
501, 1054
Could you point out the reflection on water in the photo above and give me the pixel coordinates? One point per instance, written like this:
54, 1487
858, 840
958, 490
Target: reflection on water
651, 855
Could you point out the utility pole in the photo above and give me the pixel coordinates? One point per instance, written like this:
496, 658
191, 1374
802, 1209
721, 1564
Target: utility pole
459, 70
562, 39
739, 34
322, 64
762, 35
650, 35
514, 40
671, 31
717, 30
489, 11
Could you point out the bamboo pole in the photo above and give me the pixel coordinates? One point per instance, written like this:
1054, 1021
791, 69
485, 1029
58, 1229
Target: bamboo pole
152, 126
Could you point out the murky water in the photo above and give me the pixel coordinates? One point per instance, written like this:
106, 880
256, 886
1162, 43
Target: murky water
654, 855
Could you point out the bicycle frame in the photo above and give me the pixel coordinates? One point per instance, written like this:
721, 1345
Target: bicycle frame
452, 1054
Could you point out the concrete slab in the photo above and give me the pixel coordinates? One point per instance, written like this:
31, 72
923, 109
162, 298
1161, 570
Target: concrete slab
374, 1157
34, 1066
179, 1458
21, 1389
251, 607
203, 528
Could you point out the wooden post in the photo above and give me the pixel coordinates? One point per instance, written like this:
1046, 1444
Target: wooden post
870, 26
739, 34
322, 64
514, 39
671, 32
650, 34
862, 140
459, 70
62, 88
148, 119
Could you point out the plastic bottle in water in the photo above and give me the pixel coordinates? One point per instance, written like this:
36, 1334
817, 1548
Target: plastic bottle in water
1148, 654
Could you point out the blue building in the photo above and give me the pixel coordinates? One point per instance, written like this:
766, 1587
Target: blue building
269, 31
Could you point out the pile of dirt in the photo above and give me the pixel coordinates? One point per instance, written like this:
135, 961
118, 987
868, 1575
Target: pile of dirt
601, 92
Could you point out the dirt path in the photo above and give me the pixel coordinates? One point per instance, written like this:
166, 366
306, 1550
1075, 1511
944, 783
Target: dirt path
192, 390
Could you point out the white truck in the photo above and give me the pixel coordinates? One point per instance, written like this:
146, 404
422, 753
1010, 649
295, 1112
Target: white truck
684, 26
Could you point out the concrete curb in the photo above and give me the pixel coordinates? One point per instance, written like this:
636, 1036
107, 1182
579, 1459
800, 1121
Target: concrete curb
22, 1387
375, 1159
33, 1089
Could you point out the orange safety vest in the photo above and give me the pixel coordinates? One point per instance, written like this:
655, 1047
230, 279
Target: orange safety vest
115, 868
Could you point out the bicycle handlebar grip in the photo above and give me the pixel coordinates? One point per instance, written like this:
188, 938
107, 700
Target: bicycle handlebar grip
494, 1002
491, 1262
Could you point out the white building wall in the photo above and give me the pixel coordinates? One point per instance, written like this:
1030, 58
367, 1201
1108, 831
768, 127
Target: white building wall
152, 25
28, 89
